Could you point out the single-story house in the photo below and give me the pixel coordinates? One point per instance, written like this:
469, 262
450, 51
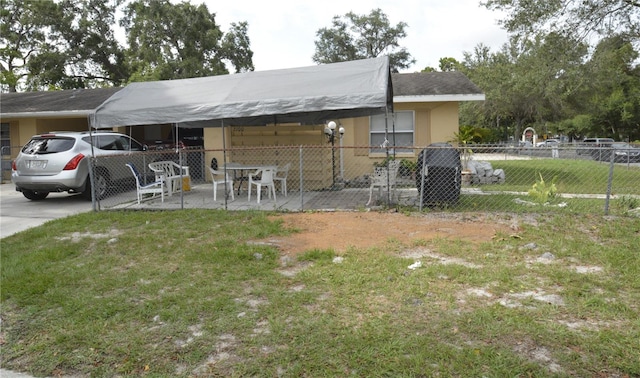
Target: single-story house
425, 110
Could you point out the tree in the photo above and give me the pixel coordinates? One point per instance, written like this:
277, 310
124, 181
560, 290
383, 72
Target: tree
494, 74
168, 41
614, 89
449, 64
355, 37
529, 81
236, 47
63, 44
23, 26
446, 65
577, 17
92, 55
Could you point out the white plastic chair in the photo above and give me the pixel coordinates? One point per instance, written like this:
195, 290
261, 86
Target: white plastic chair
383, 178
219, 178
152, 188
281, 176
172, 175
266, 179
394, 167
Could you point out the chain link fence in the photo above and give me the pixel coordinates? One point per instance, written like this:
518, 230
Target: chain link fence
430, 178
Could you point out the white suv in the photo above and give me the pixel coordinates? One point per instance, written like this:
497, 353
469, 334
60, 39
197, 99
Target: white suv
592, 146
59, 162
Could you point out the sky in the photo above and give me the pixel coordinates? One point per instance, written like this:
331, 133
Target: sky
283, 32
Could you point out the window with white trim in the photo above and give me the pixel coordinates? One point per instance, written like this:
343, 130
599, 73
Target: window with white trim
400, 135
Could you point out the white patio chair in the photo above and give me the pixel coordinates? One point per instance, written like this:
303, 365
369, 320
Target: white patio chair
172, 174
394, 167
266, 179
383, 179
152, 188
281, 176
220, 178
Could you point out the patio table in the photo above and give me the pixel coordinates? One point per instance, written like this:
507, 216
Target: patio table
241, 168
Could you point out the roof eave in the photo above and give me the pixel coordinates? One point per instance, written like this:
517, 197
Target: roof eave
440, 98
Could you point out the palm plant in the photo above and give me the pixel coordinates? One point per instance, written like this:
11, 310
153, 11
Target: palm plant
465, 136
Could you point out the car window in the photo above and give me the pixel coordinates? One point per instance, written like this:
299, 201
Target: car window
48, 145
135, 146
598, 140
115, 142
108, 142
129, 144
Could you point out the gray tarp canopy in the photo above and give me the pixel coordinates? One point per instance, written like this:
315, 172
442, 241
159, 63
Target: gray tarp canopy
309, 95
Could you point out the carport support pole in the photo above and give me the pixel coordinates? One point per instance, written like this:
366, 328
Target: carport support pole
224, 161
609, 183
386, 150
179, 152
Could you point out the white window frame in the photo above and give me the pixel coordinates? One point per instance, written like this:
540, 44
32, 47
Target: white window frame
400, 117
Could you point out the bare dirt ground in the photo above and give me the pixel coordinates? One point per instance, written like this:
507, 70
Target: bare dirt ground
341, 230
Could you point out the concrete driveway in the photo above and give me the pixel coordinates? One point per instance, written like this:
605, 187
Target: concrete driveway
18, 213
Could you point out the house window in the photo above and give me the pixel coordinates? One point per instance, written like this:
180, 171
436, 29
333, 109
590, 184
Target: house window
403, 136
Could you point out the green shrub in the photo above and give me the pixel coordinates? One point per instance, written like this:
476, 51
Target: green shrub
543, 192
407, 167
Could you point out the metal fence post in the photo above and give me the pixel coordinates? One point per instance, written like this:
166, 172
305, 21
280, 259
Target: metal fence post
609, 181
300, 167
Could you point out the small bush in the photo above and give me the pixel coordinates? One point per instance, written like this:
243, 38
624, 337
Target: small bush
543, 192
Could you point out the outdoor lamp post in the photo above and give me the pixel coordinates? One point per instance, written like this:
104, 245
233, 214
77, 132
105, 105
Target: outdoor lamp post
330, 131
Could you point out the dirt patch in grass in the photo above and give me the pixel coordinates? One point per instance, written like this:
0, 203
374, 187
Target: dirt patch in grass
342, 230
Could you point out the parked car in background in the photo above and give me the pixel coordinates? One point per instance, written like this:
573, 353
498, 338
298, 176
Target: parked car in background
592, 146
525, 144
625, 153
187, 138
59, 162
548, 143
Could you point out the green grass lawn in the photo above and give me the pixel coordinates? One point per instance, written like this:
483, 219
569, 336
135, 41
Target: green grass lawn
188, 293
572, 176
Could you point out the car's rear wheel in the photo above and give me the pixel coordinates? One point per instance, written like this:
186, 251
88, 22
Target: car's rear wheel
87, 189
34, 195
101, 186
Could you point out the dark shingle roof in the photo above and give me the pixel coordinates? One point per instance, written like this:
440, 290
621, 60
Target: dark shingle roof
86, 100
54, 101
433, 83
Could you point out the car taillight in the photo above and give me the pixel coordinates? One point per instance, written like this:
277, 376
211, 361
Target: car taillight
14, 167
73, 163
